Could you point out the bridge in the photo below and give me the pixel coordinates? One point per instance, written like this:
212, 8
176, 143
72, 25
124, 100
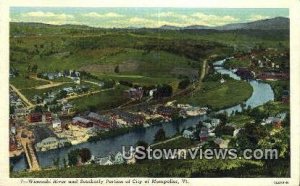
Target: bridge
30, 153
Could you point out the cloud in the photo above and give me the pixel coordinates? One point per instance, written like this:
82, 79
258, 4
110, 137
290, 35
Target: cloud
170, 14
197, 18
97, 15
214, 20
257, 17
40, 14
151, 23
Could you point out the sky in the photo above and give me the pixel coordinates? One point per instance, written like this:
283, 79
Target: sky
142, 17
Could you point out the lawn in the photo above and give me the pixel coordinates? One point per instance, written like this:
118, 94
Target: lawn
22, 82
101, 101
29, 93
218, 96
274, 107
237, 63
139, 79
240, 119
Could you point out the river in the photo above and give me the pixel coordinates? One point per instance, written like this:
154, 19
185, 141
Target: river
262, 93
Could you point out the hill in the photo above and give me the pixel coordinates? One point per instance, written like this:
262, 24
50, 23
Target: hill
267, 24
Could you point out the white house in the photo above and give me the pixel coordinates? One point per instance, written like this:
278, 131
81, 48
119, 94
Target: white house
222, 80
188, 134
56, 123
151, 92
13, 130
235, 132
215, 122
47, 144
104, 161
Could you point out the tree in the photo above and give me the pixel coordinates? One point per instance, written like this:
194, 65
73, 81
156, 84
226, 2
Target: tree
250, 135
224, 130
56, 162
163, 91
34, 68
160, 135
73, 157
183, 84
85, 155
223, 117
38, 109
117, 69
65, 163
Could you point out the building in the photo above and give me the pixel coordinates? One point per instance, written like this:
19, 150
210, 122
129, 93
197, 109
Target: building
101, 84
34, 117
285, 97
222, 80
244, 73
82, 122
273, 76
67, 108
100, 121
188, 134
56, 123
45, 139
203, 135
166, 111
128, 118
215, 122
134, 93
104, 160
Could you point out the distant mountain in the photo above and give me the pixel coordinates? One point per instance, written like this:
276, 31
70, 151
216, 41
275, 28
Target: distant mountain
266, 24
170, 27
199, 27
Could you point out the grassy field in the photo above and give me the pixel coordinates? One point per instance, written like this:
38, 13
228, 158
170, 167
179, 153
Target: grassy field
273, 108
101, 101
22, 82
140, 80
217, 95
236, 63
29, 93
240, 120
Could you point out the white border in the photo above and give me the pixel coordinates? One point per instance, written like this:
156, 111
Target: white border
293, 5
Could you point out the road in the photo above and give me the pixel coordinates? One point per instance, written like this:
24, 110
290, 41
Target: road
87, 94
162, 142
94, 83
49, 85
26, 101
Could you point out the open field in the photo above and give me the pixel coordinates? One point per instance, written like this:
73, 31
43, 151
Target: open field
236, 63
101, 101
22, 82
217, 95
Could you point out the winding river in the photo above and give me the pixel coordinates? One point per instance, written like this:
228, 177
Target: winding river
262, 93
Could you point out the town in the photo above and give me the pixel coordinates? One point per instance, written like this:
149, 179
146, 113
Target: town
79, 93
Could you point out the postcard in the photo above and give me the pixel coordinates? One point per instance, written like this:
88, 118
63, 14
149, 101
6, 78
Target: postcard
144, 93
